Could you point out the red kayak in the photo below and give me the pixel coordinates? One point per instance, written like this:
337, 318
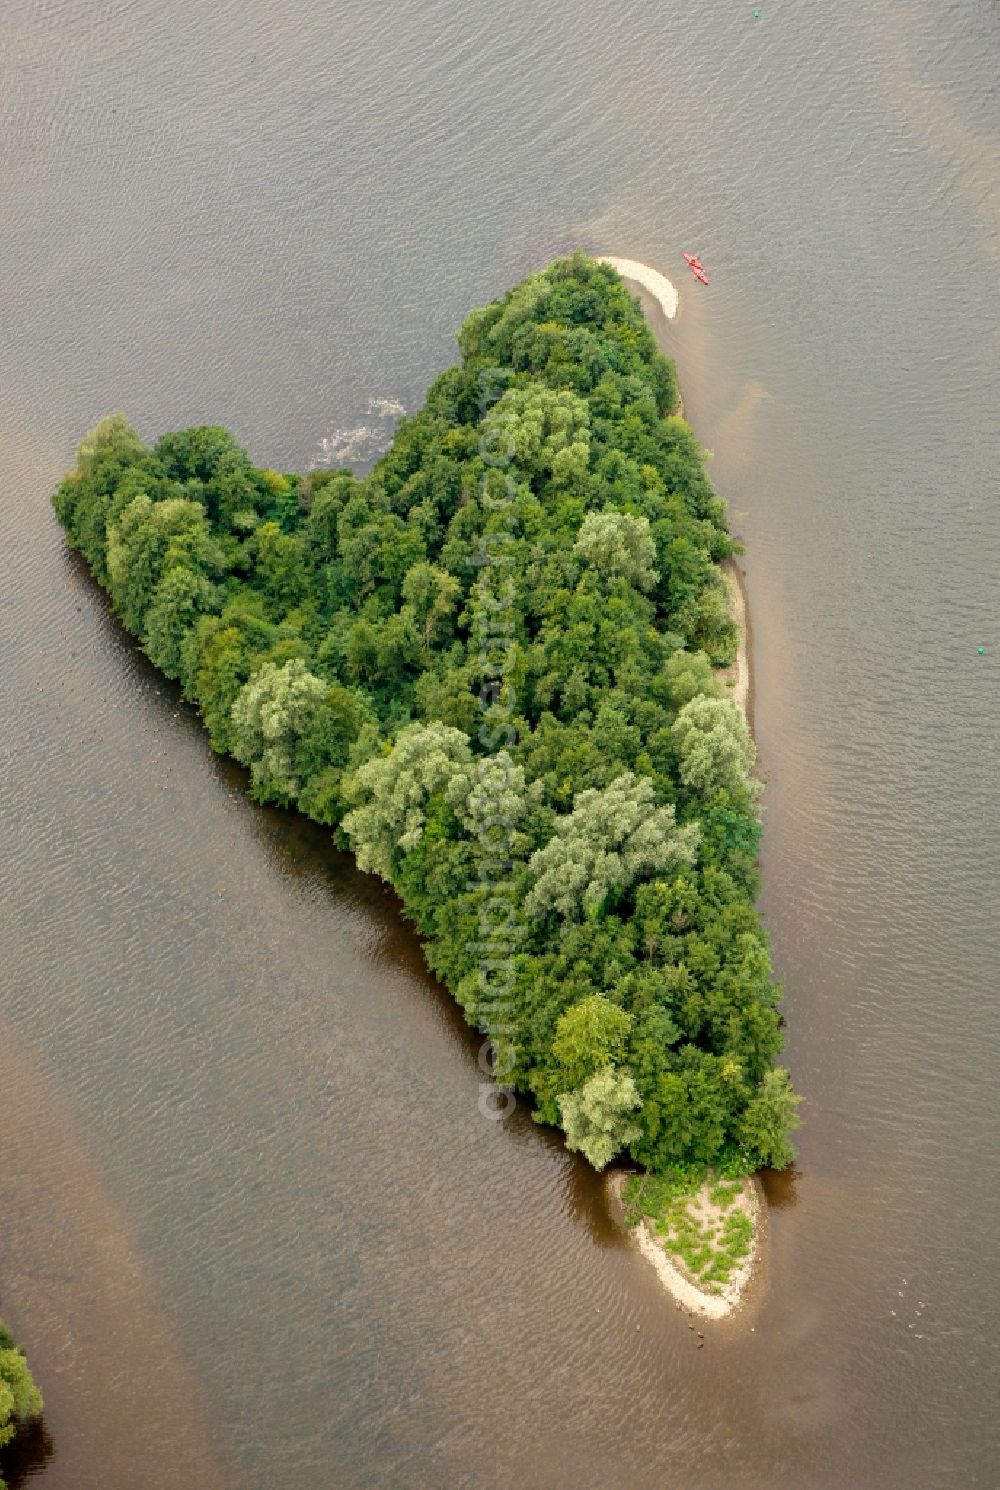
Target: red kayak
696, 266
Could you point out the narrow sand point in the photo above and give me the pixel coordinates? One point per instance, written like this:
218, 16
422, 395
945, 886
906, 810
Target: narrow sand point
739, 671
652, 280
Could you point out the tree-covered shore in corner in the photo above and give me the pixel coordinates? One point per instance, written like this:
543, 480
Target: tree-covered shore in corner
340, 637
20, 1399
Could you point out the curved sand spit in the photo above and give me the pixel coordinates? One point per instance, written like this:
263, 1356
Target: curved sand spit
740, 670
651, 279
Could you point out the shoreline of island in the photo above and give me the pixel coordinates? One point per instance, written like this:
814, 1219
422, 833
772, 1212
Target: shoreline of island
354, 750
672, 1275
740, 672
674, 1278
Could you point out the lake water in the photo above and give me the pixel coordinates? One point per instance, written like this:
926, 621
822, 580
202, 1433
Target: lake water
253, 1230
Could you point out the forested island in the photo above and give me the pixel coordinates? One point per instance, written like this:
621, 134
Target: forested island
491, 666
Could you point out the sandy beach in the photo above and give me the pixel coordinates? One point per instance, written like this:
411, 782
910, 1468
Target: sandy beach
671, 1274
674, 1276
741, 692
652, 280
666, 296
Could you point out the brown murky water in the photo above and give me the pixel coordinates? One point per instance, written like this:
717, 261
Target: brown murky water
252, 1228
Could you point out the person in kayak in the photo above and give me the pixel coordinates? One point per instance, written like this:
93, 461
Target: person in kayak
697, 267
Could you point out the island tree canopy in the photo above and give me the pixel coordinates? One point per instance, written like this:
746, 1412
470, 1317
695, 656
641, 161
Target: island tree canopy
20, 1399
488, 665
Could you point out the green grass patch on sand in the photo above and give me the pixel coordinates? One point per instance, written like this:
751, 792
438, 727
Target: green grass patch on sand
698, 1218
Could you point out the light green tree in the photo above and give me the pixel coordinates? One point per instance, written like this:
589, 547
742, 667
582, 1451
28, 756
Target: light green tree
589, 1035
181, 596
619, 546
544, 429
392, 792
714, 627
687, 674
199, 452
769, 1117
273, 711
714, 745
148, 539
432, 596
596, 1118
20, 1399
112, 435
279, 566
610, 840
491, 795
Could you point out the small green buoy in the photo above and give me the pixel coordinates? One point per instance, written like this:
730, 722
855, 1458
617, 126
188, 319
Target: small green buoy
980, 650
